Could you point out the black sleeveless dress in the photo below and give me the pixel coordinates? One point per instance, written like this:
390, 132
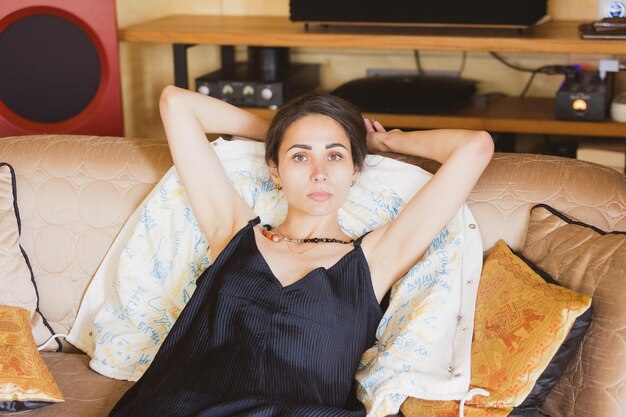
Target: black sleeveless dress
246, 346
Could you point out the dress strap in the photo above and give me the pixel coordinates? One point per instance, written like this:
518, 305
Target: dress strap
357, 242
254, 221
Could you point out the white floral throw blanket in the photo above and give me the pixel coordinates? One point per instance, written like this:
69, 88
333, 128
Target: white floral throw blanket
423, 340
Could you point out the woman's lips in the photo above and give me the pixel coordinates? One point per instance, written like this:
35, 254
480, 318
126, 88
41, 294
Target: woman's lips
319, 196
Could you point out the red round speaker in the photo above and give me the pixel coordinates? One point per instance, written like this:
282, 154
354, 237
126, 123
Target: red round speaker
59, 68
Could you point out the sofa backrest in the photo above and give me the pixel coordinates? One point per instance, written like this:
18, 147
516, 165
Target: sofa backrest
514, 182
74, 195
76, 192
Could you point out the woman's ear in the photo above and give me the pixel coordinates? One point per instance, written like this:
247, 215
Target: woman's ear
274, 172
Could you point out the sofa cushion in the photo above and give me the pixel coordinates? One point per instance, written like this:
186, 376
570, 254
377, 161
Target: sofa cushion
521, 322
25, 381
592, 262
75, 193
17, 282
87, 393
563, 356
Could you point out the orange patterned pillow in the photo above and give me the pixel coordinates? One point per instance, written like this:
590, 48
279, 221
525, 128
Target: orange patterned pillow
413, 407
25, 381
520, 323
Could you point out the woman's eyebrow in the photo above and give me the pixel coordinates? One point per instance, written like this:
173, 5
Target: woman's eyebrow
308, 147
335, 145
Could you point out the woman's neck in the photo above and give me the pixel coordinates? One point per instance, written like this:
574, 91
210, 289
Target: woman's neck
305, 226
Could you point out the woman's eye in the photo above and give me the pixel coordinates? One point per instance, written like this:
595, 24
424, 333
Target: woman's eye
299, 157
335, 157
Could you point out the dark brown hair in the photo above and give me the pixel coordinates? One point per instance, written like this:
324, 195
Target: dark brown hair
343, 112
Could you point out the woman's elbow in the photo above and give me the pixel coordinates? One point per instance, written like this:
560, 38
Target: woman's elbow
482, 143
169, 94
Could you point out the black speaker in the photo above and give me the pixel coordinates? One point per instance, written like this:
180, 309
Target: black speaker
499, 13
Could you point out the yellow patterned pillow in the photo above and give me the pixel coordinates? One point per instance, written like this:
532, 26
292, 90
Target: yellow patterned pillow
25, 381
413, 407
520, 323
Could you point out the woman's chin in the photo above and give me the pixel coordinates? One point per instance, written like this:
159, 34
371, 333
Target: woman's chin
320, 208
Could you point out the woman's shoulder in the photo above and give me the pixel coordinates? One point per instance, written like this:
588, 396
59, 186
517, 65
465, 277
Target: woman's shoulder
224, 233
371, 238
377, 260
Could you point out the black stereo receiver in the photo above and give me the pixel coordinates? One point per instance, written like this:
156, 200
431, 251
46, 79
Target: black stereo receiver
247, 87
407, 94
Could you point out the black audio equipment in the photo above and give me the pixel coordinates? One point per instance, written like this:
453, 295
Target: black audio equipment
584, 96
497, 13
268, 87
407, 94
59, 68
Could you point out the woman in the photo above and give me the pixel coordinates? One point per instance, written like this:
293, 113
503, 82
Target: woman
278, 323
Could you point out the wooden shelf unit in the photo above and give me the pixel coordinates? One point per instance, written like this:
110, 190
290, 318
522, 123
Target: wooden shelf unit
508, 115
551, 37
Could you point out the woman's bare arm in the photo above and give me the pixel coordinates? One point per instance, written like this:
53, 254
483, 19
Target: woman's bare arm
187, 117
398, 245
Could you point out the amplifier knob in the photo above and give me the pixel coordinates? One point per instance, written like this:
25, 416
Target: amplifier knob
227, 90
248, 90
204, 89
266, 93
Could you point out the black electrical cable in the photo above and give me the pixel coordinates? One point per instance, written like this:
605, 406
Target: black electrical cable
418, 62
546, 69
528, 83
518, 68
420, 70
463, 61
508, 64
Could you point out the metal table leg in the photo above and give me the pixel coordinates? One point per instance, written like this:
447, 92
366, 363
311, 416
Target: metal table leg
181, 70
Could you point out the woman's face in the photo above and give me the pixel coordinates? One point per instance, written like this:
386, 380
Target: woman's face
315, 165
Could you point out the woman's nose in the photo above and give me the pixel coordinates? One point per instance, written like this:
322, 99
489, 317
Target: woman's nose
318, 172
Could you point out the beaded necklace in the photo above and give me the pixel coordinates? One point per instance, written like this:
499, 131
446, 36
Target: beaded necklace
275, 237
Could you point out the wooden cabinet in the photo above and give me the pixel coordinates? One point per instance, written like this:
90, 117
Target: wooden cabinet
507, 114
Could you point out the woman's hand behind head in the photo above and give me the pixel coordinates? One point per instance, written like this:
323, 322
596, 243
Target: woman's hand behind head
376, 136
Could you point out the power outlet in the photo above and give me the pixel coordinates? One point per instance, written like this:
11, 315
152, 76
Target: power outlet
611, 8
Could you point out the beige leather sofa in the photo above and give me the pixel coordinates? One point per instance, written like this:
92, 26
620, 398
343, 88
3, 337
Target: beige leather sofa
75, 193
